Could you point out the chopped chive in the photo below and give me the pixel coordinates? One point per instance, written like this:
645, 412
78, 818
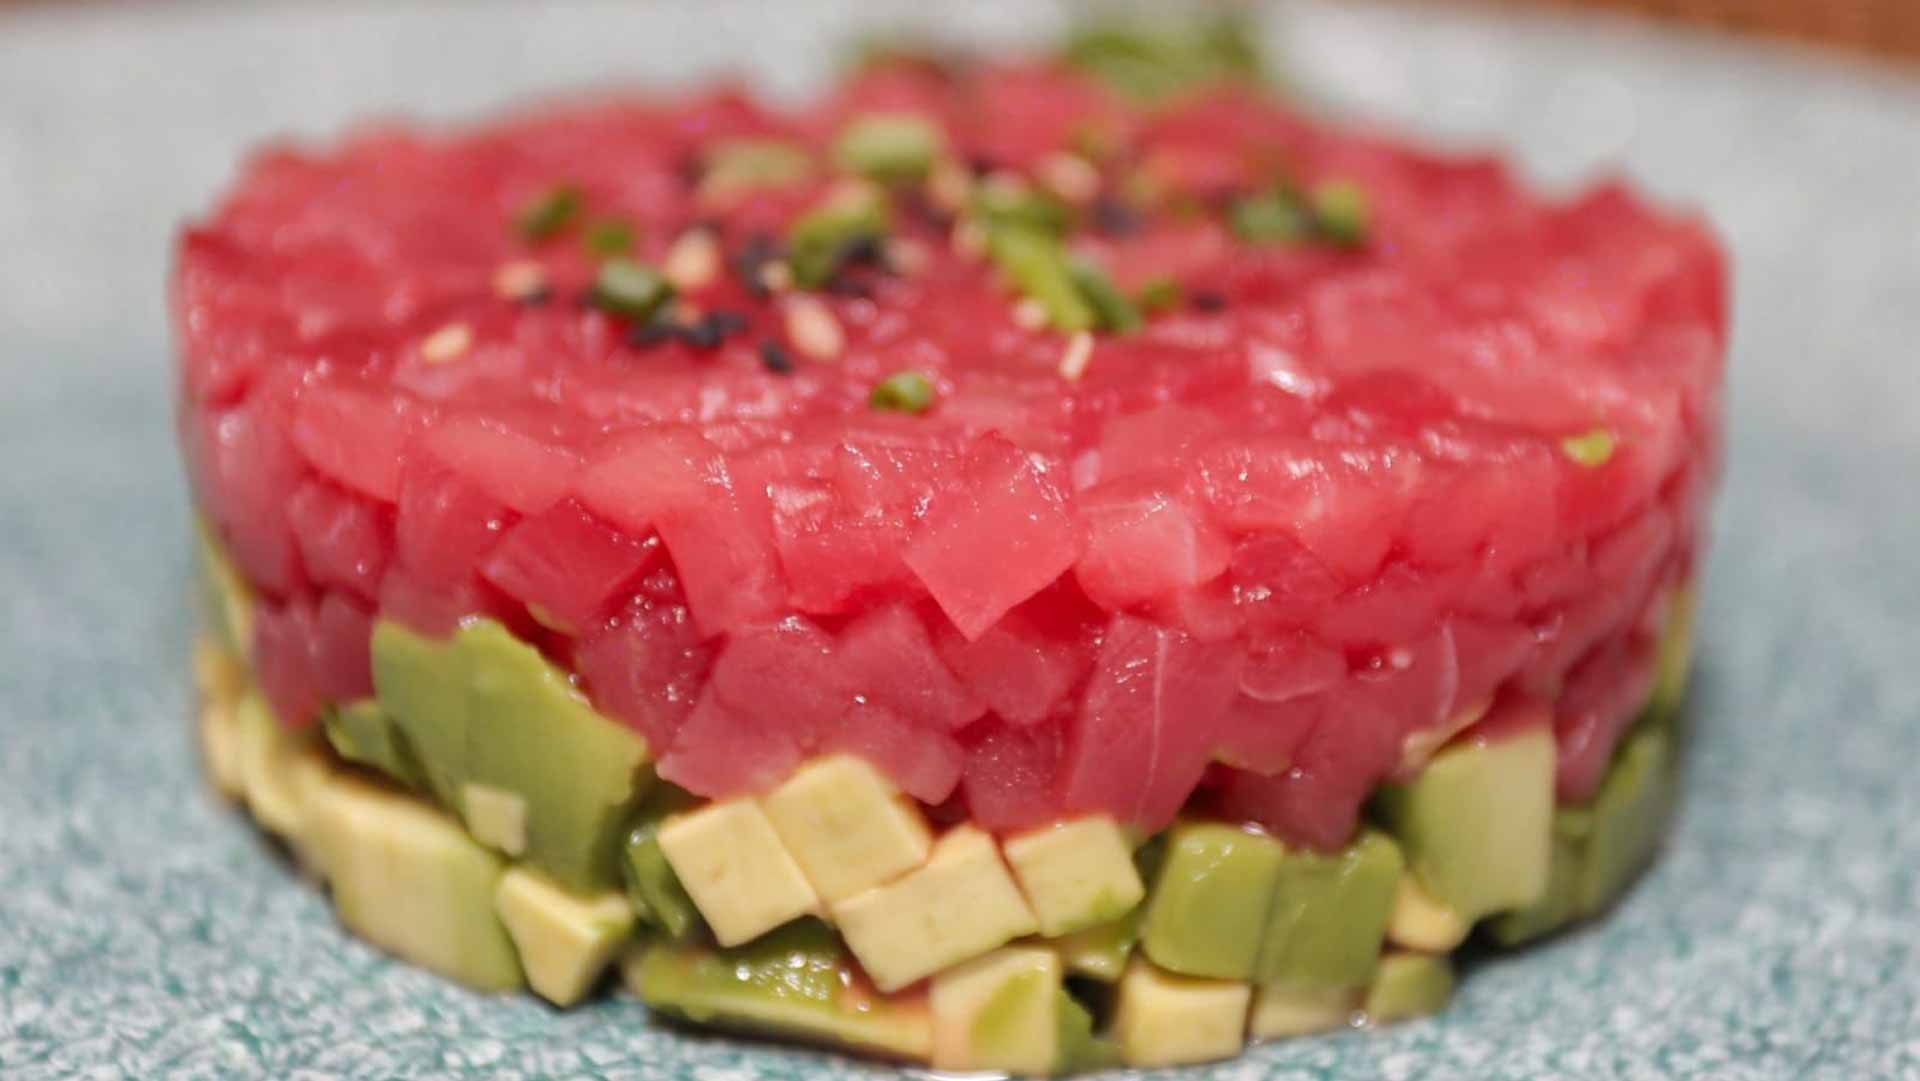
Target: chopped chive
1591, 449
1159, 294
1273, 217
1151, 59
903, 392
821, 239
893, 148
1037, 266
625, 287
1111, 308
608, 237
1020, 207
743, 164
549, 213
1341, 213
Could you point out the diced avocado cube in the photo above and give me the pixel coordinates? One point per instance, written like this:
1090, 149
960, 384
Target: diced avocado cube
893, 148
565, 941
1210, 901
1558, 905
1166, 1019
227, 598
1075, 874
1630, 815
1477, 824
960, 904
1080, 1050
819, 240
1675, 662
1329, 916
222, 680
1279, 1013
1406, 986
657, 896
731, 862
532, 734
999, 1011
796, 982
1101, 952
847, 826
1420, 922
422, 684
407, 878
266, 755
361, 732
1036, 265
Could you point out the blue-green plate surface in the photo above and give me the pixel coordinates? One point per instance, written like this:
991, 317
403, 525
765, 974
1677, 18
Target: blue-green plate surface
146, 932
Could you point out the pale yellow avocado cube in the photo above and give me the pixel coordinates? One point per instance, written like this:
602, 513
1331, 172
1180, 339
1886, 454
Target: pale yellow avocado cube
496, 817
1076, 874
1420, 921
731, 862
220, 744
407, 878
1163, 1019
565, 941
959, 905
1279, 1013
846, 826
998, 1012
266, 754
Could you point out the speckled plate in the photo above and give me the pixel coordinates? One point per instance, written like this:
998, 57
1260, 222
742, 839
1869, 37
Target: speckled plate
147, 932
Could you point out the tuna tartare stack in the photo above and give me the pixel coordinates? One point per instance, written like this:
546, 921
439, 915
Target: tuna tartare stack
978, 569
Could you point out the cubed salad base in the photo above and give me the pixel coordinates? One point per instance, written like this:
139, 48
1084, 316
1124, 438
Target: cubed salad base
834, 910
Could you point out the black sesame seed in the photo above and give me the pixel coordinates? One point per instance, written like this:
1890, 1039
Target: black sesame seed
702, 335
726, 321
653, 332
536, 297
1115, 218
1209, 300
775, 357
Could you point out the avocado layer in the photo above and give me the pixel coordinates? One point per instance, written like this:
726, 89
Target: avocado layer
483, 711
795, 981
1210, 900
1329, 915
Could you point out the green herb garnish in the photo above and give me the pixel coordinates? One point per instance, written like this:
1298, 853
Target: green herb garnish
608, 237
903, 392
1112, 310
892, 148
1037, 265
1273, 217
549, 213
628, 288
744, 164
819, 240
1020, 206
1591, 449
1341, 213
1159, 294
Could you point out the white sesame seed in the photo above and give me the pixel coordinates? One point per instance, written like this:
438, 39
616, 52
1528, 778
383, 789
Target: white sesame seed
969, 239
1029, 314
693, 262
1005, 184
519, 279
907, 256
447, 343
1070, 176
776, 276
813, 330
1073, 363
950, 186
852, 193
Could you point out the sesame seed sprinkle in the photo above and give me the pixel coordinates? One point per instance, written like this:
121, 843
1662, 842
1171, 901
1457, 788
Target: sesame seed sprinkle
693, 262
813, 330
448, 343
520, 279
1079, 353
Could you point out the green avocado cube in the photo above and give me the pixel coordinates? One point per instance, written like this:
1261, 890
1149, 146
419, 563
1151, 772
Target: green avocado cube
1629, 817
1329, 916
795, 981
652, 886
1210, 900
1477, 824
361, 732
422, 684
1408, 985
1559, 905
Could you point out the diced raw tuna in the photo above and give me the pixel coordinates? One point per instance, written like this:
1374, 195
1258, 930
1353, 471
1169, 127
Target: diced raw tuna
567, 565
